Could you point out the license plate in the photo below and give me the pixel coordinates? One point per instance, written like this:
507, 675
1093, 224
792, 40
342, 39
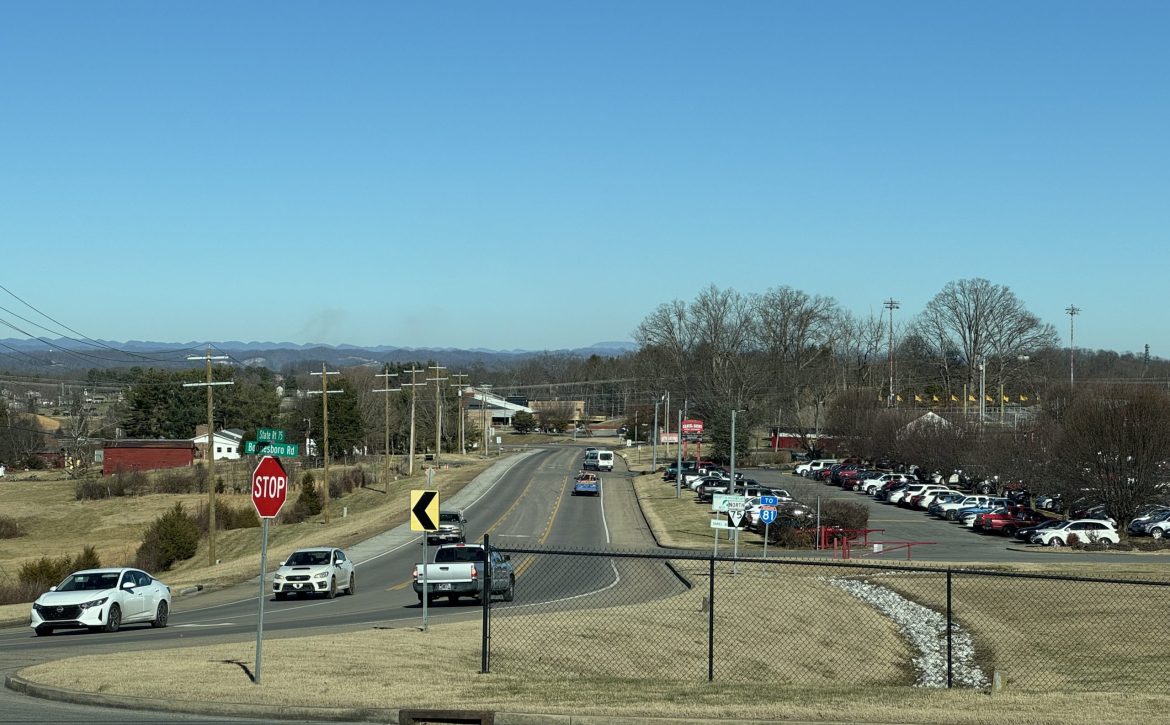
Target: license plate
443, 587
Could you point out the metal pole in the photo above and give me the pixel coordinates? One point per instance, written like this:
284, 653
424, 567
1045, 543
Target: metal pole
711, 619
766, 525
654, 440
325, 435
1072, 311
426, 593
678, 463
731, 486
210, 470
818, 542
485, 637
950, 626
260, 617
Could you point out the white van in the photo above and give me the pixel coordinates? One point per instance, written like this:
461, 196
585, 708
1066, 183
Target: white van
605, 460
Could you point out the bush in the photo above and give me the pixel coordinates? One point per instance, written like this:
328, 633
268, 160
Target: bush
347, 482
10, 528
172, 537
227, 517
178, 480
47, 571
308, 503
845, 514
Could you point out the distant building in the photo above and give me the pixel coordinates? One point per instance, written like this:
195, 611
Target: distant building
228, 443
125, 455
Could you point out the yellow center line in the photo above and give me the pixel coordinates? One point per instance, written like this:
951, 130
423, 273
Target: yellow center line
494, 524
548, 526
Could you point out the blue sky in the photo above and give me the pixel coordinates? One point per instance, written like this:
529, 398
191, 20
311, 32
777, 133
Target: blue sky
543, 175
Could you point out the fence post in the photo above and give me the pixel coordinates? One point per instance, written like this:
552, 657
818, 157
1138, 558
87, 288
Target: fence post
486, 601
711, 621
950, 627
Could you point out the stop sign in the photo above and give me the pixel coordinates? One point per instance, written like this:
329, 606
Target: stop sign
269, 487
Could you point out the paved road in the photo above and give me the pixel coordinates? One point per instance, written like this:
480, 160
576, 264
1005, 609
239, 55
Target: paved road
525, 504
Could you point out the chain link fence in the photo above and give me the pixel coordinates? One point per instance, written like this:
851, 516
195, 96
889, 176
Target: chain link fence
680, 617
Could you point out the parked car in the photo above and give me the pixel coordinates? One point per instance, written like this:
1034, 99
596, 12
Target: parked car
323, 570
871, 483
946, 497
1154, 523
1008, 519
1025, 534
1086, 531
806, 469
889, 488
950, 510
102, 600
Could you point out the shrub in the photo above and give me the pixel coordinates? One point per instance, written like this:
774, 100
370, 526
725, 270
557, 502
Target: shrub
347, 482
10, 528
227, 517
177, 480
172, 537
47, 571
845, 514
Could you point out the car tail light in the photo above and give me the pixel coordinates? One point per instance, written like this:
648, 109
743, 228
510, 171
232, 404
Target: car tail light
475, 572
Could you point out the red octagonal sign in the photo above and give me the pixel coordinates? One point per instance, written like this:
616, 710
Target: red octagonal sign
269, 487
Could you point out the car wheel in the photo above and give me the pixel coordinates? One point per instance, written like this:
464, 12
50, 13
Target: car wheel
332, 588
951, 515
161, 616
43, 631
1009, 530
510, 592
349, 589
1055, 542
114, 619
1157, 533
1105, 543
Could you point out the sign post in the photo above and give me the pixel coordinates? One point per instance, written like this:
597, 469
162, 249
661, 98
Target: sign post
269, 490
424, 516
768, 513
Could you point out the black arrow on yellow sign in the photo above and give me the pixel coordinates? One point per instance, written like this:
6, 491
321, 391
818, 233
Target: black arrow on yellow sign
424, 510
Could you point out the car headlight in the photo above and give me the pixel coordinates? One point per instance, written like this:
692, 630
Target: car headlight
278, 576
94, 603
321, 575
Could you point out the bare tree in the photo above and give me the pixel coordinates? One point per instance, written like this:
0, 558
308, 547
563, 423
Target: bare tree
1114, 441
973, 319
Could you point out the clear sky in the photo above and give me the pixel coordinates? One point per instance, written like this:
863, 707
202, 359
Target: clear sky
542, 175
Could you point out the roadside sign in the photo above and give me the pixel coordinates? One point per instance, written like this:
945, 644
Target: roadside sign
769, 501
424, 510
722, 524
720, 501
274, 435
667, 437
269, 487
768, 514
692, 427
735, 513
283, 450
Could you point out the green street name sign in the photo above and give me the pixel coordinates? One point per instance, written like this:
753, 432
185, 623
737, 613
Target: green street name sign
280, 450
272, 435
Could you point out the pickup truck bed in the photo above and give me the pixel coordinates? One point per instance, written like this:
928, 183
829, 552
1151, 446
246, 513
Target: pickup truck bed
458, 571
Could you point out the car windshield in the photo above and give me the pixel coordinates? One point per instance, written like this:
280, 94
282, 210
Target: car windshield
448, 518
308, 558
89, 582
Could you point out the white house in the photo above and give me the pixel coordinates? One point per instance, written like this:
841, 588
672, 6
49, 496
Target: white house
229, 443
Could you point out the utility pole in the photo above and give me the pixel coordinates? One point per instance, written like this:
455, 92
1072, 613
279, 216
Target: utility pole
325, 393
210, 448
666, 422
891, 305
484, 389
438, 381
1072, 311
386, 422
412, 385
460, 384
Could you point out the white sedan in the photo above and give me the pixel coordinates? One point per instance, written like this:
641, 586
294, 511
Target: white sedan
319, 570
102, 600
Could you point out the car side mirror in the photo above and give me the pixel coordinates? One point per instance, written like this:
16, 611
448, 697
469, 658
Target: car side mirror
128, 586
53, 588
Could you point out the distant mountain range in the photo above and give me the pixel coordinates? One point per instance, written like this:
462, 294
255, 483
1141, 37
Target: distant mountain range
27, 355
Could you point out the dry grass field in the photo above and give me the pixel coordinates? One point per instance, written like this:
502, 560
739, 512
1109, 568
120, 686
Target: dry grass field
59, 525
824, 655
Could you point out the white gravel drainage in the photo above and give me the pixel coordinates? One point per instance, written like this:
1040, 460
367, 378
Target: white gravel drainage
926, 631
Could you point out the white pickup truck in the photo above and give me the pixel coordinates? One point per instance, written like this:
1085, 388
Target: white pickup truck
458, 571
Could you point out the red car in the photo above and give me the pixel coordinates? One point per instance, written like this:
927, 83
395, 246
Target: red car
1008, 520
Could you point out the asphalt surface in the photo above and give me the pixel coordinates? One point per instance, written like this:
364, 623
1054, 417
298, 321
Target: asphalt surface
524, 502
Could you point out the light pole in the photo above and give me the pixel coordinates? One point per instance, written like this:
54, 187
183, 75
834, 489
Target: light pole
1072, 311
654, 440
731, 486
982, 388
678, 463
891, 305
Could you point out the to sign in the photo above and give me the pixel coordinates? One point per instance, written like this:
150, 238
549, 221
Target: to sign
269, 487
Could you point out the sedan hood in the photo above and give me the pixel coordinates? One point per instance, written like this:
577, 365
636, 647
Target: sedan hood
65, 599
309, 569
